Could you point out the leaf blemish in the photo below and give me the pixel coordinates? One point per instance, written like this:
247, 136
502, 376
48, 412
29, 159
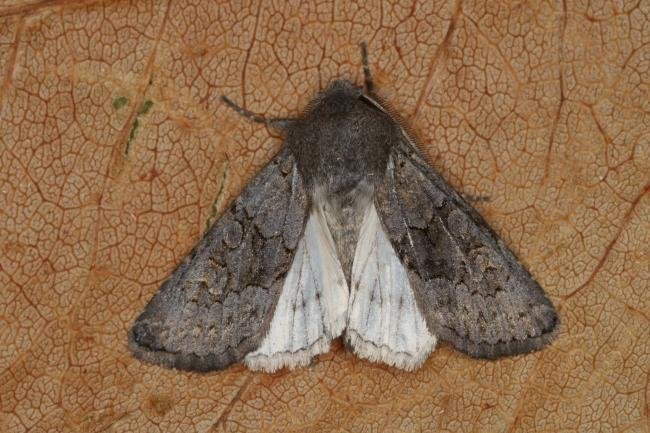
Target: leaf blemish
146, 106
120, 102
144, 109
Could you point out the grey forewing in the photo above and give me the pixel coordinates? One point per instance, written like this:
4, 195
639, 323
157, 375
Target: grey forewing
471, 289
218, 303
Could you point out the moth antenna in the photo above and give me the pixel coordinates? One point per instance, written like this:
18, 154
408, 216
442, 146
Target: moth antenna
366, 68
276, 122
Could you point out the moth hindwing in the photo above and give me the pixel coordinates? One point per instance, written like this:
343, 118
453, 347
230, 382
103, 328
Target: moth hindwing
347, 231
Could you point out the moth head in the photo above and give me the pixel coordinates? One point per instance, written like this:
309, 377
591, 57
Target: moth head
342, 87
340, 97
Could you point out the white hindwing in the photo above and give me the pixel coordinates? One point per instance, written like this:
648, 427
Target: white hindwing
384, 323
312, 307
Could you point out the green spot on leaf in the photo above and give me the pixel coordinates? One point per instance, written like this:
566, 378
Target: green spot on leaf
120, 102
146, 106
144, 109
131, 136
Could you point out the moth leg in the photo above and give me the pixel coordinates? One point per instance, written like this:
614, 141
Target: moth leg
280, 123
471, 198
366, 68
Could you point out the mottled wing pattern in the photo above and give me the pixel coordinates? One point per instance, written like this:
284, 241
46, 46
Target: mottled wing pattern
218, 304
471, 289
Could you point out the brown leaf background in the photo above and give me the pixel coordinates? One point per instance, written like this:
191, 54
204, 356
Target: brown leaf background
542, 106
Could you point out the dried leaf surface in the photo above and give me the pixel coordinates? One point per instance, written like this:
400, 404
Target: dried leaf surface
115, 153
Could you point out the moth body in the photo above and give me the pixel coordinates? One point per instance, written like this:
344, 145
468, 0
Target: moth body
342, 147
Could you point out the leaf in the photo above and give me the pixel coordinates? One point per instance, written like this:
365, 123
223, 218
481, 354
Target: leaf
115, 151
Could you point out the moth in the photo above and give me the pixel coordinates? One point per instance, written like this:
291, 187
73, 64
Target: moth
346, 232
